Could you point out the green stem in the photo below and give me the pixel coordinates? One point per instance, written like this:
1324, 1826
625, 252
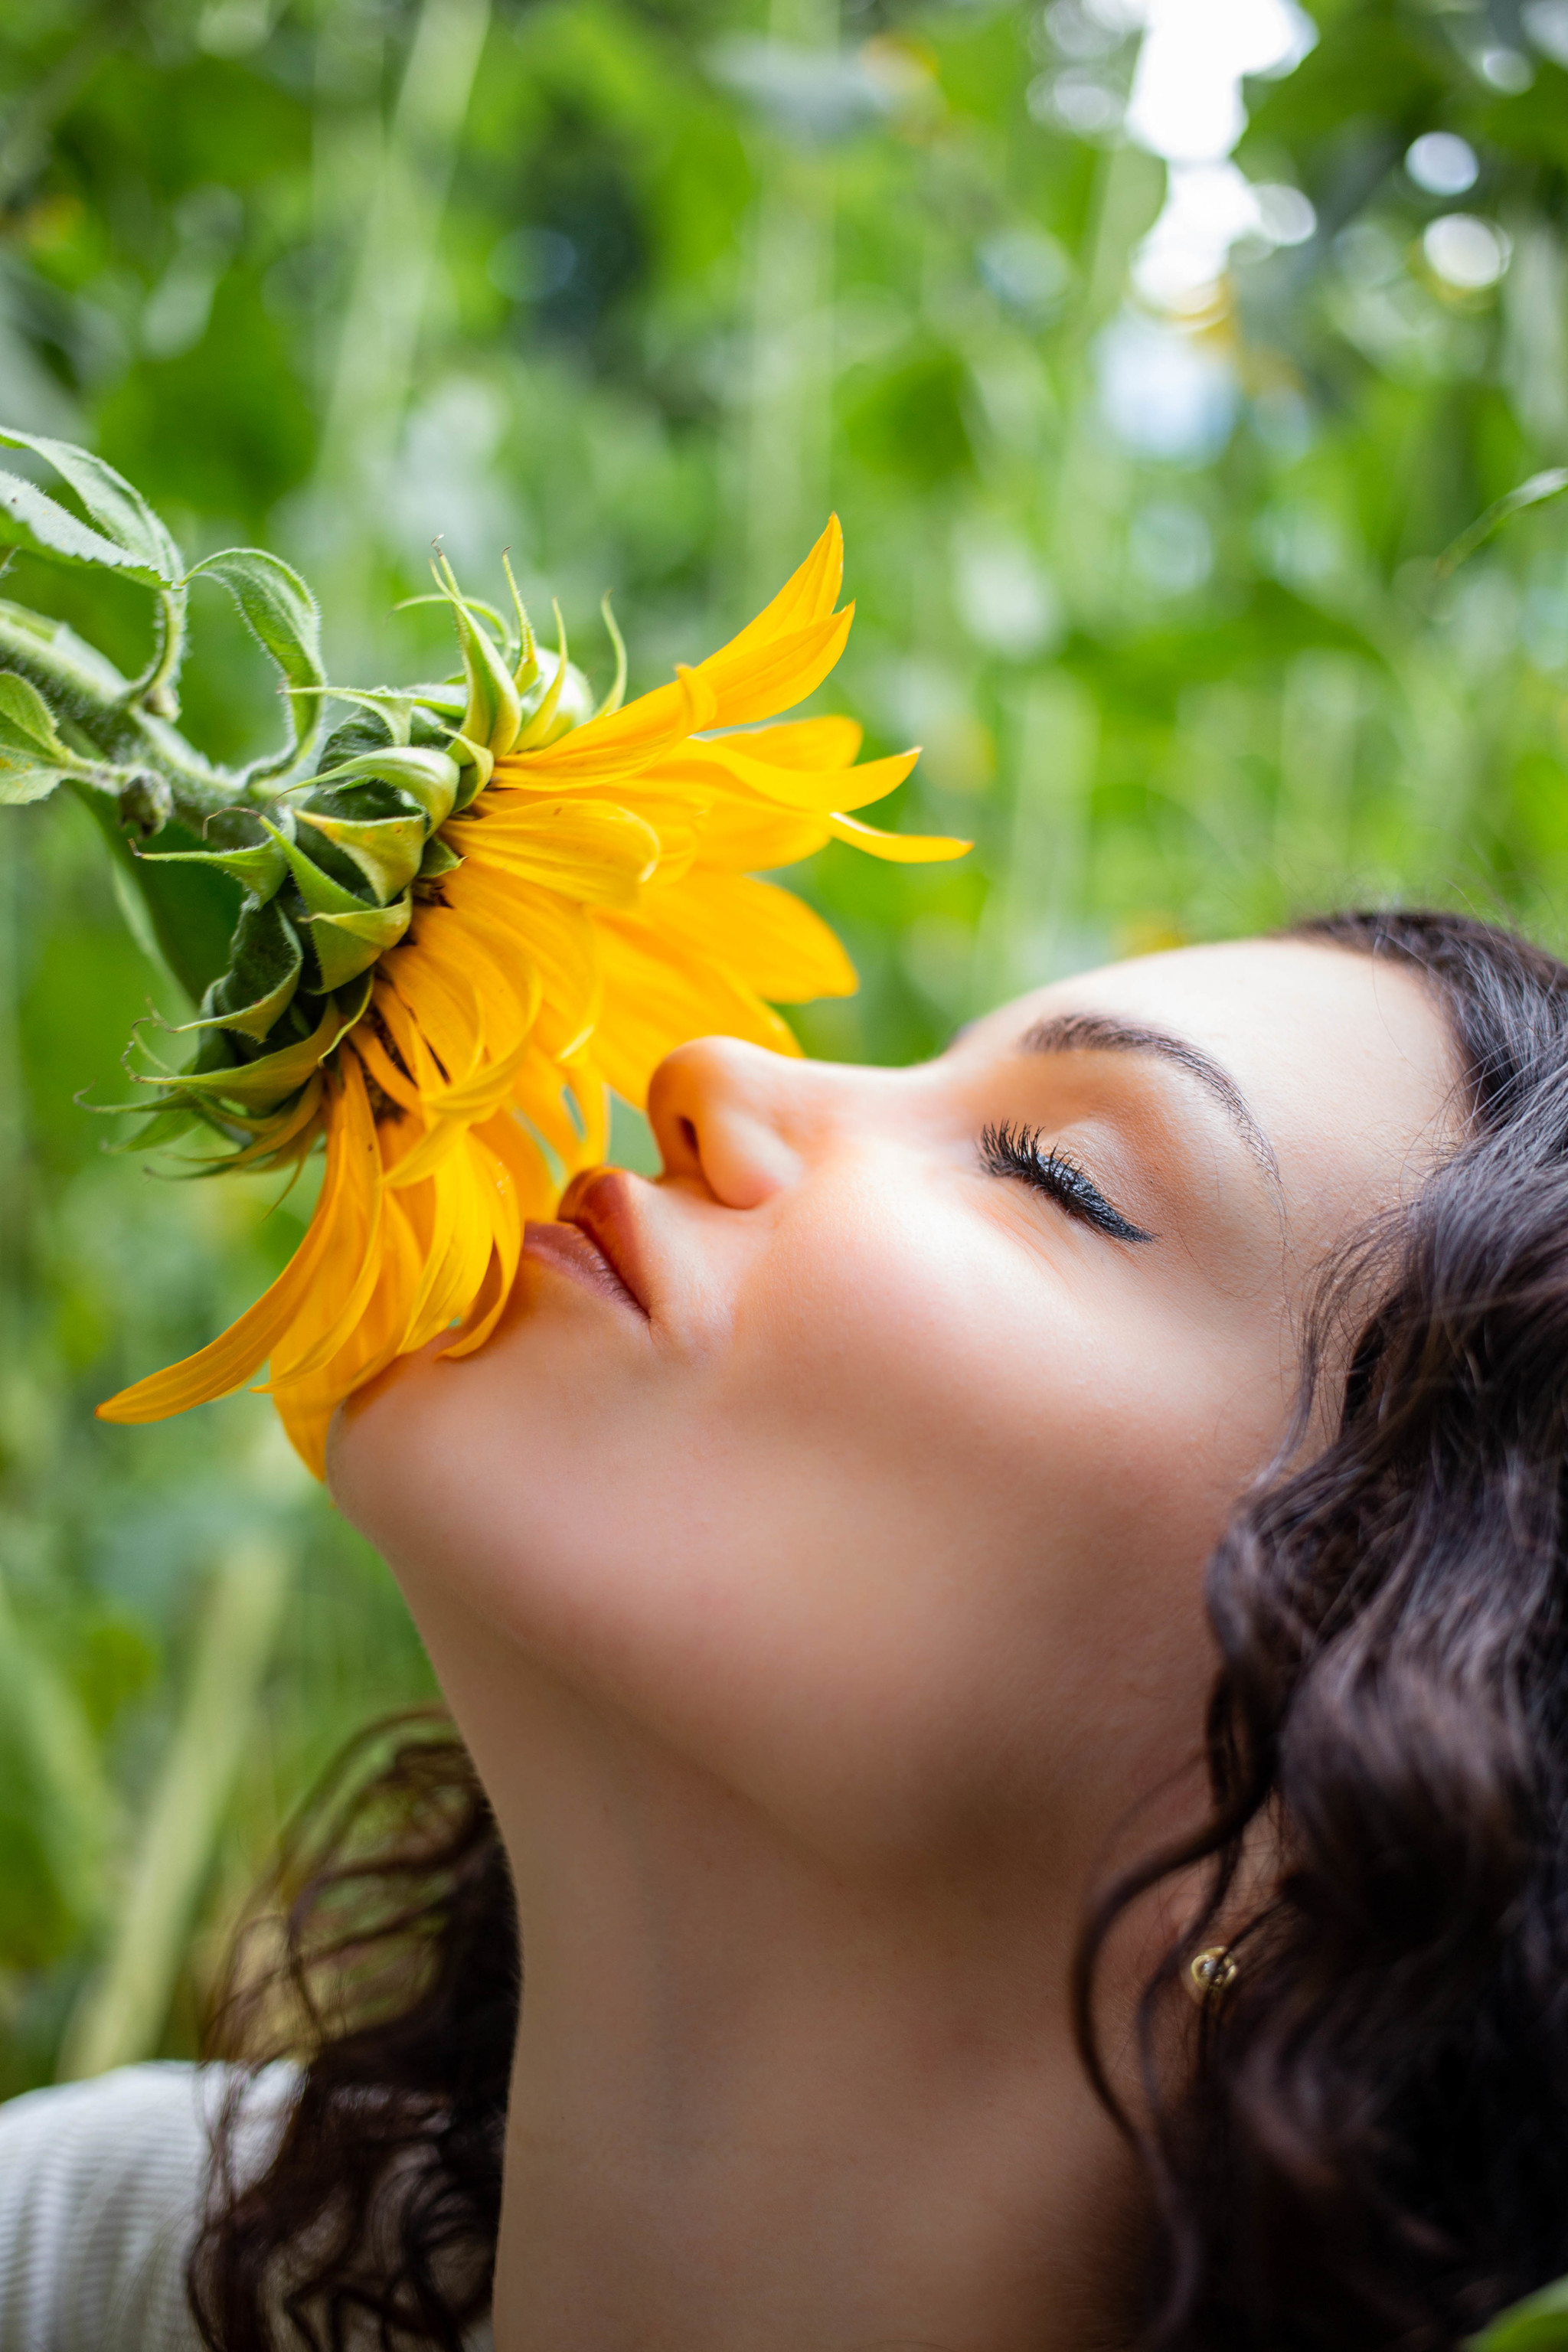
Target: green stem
155, 688
86, 692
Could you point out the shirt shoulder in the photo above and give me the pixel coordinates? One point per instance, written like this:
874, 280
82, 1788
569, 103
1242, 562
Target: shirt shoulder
101, 2189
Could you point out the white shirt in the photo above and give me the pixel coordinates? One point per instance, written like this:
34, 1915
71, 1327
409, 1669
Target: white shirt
102, 2185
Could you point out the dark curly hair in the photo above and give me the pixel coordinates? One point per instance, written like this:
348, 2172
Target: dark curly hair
1367, 2150
383, 1954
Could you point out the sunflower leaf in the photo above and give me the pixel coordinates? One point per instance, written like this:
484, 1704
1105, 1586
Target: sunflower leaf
145, 548
26, 722
22, 780
33, 760
283, 617
31, 520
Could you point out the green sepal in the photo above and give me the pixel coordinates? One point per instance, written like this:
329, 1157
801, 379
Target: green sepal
260, 869
443, 596
429, 777
615, 693
387, 850
527, 669
259, 986
562, 699
393, 705
262, 1086
438, 859
162, 1124
322, 895
347, 945
494, 710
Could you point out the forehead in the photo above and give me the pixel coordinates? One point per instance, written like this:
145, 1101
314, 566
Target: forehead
1346, 1061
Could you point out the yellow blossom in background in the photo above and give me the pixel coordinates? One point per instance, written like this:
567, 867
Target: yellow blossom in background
592, 907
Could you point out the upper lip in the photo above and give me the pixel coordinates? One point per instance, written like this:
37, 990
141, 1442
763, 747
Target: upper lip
600, 1202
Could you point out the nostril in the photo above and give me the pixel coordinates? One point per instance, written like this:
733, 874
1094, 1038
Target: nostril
688, 1136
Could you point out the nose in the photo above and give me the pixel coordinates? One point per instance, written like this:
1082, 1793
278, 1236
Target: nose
736, 1117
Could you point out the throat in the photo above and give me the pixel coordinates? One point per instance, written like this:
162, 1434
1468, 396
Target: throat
758, 2104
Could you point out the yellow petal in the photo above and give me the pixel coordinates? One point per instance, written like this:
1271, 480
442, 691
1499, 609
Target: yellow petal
897, 848
770, 939
742, 836
656, 996
559, 944
590, 850
227, 1361
355, 1265
808, 594
774, 676
831, 743
620, 743
823, 789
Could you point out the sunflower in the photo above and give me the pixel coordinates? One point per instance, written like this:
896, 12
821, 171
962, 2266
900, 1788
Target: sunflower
529, 911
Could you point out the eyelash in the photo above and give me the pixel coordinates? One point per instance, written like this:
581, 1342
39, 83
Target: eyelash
1009, 1151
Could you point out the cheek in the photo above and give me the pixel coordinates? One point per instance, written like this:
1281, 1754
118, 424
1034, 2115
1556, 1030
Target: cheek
1000, 1481
921, 1537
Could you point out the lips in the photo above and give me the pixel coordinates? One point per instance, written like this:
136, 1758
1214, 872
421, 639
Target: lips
594, 1239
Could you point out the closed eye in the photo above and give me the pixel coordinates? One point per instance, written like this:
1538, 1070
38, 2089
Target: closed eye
1009, 1151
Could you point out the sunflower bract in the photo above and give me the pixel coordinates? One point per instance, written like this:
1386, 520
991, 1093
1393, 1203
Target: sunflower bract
587, 906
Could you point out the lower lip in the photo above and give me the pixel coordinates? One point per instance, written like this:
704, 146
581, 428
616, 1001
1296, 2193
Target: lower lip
568, 1249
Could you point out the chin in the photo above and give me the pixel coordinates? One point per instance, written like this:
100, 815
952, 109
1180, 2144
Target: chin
407, 1453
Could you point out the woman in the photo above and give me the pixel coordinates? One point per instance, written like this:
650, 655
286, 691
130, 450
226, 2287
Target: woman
825, 1567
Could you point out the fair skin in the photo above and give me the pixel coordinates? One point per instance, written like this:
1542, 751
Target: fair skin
813, 1563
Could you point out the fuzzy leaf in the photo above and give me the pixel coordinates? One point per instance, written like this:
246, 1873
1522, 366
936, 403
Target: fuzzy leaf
33, 760
22, 780
26, 722
30, 519
147, 550
283, 617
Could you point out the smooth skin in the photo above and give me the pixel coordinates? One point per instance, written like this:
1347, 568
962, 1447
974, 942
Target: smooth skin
815, 1629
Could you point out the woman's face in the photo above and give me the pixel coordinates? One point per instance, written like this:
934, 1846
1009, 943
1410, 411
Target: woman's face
871, 1457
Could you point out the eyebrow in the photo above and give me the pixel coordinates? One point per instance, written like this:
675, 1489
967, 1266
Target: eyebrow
1104, 1033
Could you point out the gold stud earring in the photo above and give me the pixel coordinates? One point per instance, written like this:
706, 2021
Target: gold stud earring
1210, 1974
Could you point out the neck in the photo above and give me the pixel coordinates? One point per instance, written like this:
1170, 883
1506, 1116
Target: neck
762, 2100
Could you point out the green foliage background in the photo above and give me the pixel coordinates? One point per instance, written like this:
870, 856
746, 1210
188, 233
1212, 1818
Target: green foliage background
614, 284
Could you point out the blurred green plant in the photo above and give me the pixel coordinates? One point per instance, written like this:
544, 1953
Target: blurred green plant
1538, 2324
1146, 461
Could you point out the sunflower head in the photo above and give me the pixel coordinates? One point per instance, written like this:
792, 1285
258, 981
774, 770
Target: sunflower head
457, 924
